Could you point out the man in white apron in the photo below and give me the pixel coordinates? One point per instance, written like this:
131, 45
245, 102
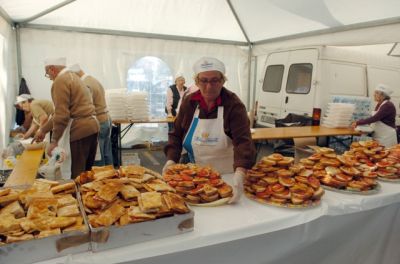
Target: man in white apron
212, 126
383, 118
75, 126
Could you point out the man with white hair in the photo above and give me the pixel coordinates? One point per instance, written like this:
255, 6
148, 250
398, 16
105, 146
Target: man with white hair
74, 116
383, 118
99, 101
213, 127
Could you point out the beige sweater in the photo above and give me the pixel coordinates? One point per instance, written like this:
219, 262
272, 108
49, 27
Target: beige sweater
98, 95
72, 100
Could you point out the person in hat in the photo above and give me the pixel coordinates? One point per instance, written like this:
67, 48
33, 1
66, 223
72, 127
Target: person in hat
24, 127
74, 124
99, 101
383, 118
174, 94
41, 111
213, 127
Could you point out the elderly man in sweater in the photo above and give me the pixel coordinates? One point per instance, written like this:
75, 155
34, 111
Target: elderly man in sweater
74, 116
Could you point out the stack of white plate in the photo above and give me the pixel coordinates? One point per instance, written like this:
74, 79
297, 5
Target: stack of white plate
116, 103
137, 105
338, 115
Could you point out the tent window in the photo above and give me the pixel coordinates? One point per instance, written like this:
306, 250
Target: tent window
299, 78
273, 78
152, 75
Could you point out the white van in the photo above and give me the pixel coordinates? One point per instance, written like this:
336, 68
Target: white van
301, 80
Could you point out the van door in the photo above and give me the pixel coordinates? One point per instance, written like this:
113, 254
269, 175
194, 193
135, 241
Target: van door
299, 92
270, 97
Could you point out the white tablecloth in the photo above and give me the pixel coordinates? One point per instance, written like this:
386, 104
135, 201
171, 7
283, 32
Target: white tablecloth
344, 228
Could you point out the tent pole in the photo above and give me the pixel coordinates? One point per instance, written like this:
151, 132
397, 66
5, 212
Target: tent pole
45, 12
249, 106
18, 44
132, 34
6, 17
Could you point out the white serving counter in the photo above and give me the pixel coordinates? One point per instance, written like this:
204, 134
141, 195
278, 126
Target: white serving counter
344, 228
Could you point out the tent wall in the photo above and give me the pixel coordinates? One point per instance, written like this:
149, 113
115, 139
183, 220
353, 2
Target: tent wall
108, 57
8, 80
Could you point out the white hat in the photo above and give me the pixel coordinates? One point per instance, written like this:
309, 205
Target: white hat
75, 67
22, 98
208, 64
179, 75
62, 61
384, 89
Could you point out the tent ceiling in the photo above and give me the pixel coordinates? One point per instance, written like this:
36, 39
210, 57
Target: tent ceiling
206, 19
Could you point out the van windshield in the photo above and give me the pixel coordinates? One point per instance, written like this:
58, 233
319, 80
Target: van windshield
299, 78
273, 78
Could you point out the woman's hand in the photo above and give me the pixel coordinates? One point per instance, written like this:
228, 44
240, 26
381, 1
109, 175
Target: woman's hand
238, 177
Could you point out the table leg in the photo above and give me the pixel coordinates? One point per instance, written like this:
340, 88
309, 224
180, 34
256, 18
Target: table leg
119, 145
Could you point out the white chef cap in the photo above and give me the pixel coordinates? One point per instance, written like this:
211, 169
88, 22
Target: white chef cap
384, 89
22, 98
208, 64
179, 75
62, 61
75, 67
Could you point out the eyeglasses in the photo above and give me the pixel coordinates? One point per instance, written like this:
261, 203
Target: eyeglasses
211, 82
47, 75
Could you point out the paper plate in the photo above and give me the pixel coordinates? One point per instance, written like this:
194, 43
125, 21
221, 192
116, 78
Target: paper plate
388, 180
212, 204
375, 190
288, 205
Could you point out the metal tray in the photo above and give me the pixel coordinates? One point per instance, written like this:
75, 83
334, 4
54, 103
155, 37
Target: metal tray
104, 238
49, 247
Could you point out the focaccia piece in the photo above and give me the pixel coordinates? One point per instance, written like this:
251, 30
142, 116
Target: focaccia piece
124, 219
62, 222
91, 202
160, 186
136, 214
126, 203
69, 210
144, 178
109, 191
8, 223
65, 199
63, 187
150, 201
78, 226
10, 197
42, 207
128, 192
109, 216
106, 174
50, 182
12, 239
209, 190
132, 171
175, 202
13, 208
92, 186
47, 233
5, 191
37, 195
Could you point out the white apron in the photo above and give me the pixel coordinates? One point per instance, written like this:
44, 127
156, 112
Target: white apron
384, 134
207, 144
64, 143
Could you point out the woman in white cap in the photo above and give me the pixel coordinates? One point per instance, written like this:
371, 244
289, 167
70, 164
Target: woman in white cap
383, 118
174, 94
213, 127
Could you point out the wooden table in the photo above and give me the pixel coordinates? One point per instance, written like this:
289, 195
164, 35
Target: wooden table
130, 123
25, 170
297, 132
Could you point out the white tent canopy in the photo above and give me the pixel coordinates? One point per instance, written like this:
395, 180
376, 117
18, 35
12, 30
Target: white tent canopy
106, 37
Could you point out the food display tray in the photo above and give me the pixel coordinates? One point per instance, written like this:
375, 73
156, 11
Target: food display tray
103, 238
48, 247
